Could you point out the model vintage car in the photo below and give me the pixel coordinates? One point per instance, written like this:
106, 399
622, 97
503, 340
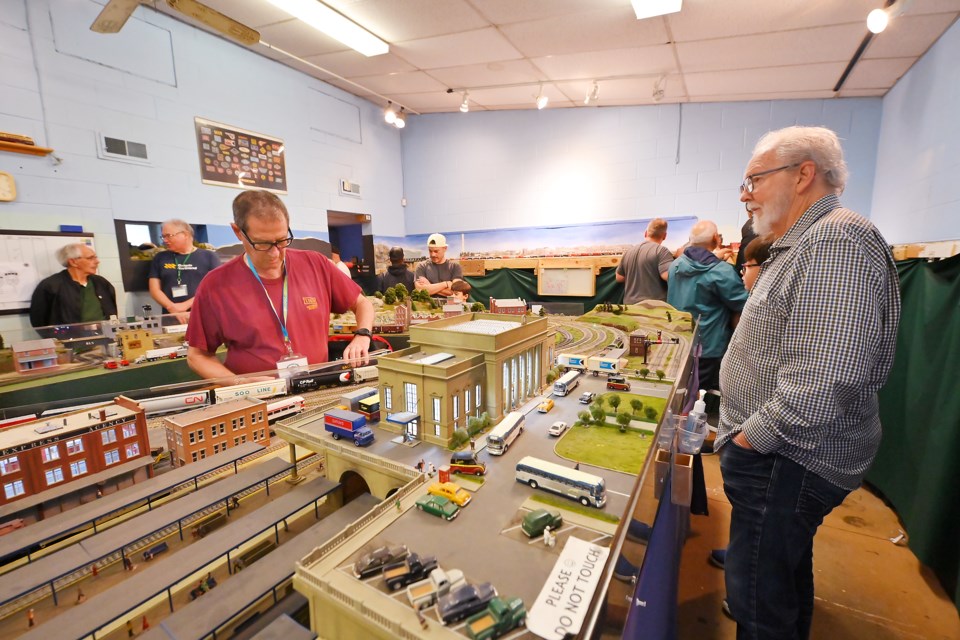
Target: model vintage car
466, 462
438, 506
545, 406
557, 428
539, 519
451, 491
587, 397
371, 563
464, 601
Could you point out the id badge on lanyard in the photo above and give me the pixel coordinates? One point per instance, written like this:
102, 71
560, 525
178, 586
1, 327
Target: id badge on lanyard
292, 362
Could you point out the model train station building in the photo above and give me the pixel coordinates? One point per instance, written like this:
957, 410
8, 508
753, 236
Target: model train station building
463, 366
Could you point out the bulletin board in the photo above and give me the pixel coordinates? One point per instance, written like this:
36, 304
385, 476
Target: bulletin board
231, 157
578, 281
26, 258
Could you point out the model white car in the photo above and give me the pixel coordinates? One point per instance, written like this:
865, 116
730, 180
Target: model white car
557, 428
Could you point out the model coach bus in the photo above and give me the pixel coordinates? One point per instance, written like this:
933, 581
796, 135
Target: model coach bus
586, 488
503, 435
567, 383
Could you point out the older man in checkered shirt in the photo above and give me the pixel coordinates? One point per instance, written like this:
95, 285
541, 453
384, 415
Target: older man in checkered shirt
799, 424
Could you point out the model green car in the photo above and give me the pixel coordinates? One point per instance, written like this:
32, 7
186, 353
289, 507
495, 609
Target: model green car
500, 617
438, 506
539, 519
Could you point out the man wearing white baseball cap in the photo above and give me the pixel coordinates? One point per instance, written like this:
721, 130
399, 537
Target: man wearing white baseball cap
435, 276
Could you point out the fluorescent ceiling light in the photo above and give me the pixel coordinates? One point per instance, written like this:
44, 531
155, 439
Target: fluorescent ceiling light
324, 19
651, 8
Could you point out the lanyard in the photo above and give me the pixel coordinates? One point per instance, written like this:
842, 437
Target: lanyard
282, 321
177, 264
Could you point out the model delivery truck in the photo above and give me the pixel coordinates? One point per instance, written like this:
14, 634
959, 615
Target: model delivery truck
347, 424
414, 567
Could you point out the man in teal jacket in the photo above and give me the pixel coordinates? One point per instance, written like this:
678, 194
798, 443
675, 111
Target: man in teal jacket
709, 288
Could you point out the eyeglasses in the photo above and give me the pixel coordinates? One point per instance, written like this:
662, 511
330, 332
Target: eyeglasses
168, 236
748, 184
266, 246
93, 257
744, 267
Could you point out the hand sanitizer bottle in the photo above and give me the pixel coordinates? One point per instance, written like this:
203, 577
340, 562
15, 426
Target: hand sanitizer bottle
698, 415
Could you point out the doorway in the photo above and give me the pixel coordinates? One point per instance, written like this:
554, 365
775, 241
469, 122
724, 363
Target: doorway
352, 234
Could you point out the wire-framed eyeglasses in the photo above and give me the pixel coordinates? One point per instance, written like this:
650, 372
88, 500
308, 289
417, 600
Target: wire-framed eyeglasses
266, 246
749, 183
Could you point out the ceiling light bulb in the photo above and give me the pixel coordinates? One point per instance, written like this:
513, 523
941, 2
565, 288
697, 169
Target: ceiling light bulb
389, 115
465, 105
401, 120
877, 20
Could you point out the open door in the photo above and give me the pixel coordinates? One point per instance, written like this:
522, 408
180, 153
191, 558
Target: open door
352, 233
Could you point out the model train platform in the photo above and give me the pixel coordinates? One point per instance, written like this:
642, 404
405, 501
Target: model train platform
37, 533
200, 619
80, 556
117, 603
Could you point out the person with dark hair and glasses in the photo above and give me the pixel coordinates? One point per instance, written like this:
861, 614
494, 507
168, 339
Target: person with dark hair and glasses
270, 306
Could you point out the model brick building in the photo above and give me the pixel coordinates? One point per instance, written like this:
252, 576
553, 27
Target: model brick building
196, 434
35, 355
49, 454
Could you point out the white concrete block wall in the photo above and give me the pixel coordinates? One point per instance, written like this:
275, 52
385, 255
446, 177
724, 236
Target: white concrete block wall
62, 100
916, 197
489, 170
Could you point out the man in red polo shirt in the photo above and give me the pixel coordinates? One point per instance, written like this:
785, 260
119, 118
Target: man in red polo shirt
271, 305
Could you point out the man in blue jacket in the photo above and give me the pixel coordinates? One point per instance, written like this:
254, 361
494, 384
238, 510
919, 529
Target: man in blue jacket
709, 288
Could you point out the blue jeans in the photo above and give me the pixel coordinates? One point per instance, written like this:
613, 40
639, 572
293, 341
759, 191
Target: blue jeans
777, 507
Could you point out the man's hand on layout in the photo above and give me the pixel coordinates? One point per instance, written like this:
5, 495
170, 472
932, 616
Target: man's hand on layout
358, 351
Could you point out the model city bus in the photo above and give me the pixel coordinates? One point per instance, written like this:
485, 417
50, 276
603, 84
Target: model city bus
567, 383
586, 488
503, 435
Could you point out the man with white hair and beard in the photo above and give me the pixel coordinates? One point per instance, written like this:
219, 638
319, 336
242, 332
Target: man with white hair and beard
799, 423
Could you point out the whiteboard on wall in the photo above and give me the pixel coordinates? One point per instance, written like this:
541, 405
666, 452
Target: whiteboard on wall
567, 282
26, 258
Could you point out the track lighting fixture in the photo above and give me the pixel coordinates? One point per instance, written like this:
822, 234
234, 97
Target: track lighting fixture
465, 105
658, 91
542, 100
389, 115
401, 121
593, 95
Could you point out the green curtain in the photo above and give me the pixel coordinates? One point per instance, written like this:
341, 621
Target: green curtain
522, 283
920, 411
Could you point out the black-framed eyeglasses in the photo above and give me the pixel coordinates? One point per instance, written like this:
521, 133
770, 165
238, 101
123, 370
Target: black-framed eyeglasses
168, 236
748, 184
744, 267
266, 246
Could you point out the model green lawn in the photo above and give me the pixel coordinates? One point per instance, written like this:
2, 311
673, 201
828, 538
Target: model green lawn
659, 404
571, 505
606, 447
477, 480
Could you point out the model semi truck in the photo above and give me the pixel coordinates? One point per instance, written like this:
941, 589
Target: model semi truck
425, 593
415, 567
347, 424
500, 617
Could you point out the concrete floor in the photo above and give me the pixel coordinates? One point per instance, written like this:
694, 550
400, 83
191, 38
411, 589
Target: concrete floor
866, 587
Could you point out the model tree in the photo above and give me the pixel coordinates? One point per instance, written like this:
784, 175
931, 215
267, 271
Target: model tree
477, 307
597, 412
614, 401
651, 413
661, 374
623, 420
400, 290
644, 372
636, 404
584, 417
390, 297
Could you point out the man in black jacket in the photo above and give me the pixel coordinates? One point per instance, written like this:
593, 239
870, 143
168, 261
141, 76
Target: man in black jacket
76, 294
396, 273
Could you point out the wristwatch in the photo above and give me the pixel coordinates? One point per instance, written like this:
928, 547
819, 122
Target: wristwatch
364, 332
